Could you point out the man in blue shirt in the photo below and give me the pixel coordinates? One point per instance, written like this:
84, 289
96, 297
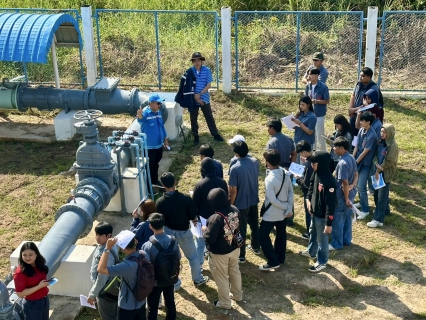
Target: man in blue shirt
244, 194
281, 142
203, 78
364, 152
153, 126
317, 60
346, 175
128, 307
318, 92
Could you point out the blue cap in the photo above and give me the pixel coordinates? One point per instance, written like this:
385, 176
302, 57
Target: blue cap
155, 98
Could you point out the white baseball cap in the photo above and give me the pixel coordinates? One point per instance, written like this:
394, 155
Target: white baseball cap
237, 137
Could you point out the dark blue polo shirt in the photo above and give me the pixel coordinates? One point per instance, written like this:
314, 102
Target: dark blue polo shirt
320, 93
309, 120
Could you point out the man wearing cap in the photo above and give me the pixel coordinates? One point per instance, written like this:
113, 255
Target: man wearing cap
281, 142
152, 125
203, 78
317, 59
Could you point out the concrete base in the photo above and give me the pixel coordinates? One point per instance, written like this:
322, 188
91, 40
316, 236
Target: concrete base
174, 110
73, 273
64, 125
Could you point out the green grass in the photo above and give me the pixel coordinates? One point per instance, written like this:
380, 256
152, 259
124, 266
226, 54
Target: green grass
381, 275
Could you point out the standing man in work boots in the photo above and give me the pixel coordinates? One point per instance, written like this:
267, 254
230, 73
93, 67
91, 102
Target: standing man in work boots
203, 78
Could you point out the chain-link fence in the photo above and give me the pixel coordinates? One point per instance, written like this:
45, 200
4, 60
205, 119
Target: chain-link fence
152, 49
402, 60
274, 49
70, 63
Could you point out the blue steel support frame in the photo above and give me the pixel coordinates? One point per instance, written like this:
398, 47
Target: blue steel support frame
156, 25
298, 13
382, 46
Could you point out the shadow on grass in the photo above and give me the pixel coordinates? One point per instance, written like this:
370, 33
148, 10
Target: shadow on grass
406, 112
36, 159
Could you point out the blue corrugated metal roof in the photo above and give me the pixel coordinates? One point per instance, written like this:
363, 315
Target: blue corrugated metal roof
28, 37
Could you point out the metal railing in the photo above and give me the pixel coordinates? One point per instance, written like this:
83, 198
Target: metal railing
153, 49
273, 49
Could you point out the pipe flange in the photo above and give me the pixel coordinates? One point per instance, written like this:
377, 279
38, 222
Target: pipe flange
90, 193
81, 212
116, 182
106, 192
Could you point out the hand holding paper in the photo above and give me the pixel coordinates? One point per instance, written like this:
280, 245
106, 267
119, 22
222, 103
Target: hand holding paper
124, 237
84, 303
296, 169
289, 122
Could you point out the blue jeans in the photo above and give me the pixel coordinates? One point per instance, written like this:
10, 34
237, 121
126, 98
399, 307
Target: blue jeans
318, 240
200, 245
186, 243
342, 225
363, 176
381, 199
372, 172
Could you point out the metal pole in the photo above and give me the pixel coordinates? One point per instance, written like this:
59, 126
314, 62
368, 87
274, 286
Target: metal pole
226, 50
55, 62
297, 49
157, 42
371, 40
89, 44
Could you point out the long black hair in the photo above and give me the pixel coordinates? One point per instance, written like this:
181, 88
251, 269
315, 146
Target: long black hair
40, 261
346, 127
308, 101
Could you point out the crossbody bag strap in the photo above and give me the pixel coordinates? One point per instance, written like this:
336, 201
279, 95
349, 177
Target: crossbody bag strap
282, 183
225, 218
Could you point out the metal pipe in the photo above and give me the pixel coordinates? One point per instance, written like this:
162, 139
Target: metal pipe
6, 307
118, 151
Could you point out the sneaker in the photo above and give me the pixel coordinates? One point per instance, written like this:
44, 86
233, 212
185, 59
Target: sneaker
216, 303
317, 267
241, 260
196, 140
255, 251
199, 283
218, 137
305, 253
305, 236
362, 215
374, 224
331, 248
267, 267
357, 205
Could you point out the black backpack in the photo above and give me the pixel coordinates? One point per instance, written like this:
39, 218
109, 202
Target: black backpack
166, 264
145, 278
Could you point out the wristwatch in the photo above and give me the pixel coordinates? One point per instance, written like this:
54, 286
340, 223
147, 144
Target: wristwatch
106, 251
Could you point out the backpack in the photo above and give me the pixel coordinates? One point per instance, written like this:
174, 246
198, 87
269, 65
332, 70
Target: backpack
111, 289
232, 229
166, 264
145, 278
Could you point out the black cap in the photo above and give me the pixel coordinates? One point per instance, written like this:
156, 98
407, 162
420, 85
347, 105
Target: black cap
197, 55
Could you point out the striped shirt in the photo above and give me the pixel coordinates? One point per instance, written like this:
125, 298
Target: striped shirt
203, 77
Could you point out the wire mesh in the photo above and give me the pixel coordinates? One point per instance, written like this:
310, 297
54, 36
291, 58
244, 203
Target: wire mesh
275, 48
153, 48
403, 58
69, 66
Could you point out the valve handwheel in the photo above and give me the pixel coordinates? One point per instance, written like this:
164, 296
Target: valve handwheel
88, 114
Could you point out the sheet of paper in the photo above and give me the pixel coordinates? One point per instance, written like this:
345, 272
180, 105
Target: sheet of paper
124, 237
328, 141
287, 121
296, 169
84, 303
377, 184
367, 107
196, 230
354, 141
355, 211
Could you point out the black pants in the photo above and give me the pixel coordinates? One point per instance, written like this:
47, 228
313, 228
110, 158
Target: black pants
135, 314
169, 302
208, 114
154, 156
36, 309
250, 216
274, 254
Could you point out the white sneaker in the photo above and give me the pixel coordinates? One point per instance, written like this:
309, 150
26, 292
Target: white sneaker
362, 215
374, 224
331, 248
357, 205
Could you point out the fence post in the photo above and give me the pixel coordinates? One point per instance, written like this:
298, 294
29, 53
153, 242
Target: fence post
226, 50
89, 44
371, 39
55, 62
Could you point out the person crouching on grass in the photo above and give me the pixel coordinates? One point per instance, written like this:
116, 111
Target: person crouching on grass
321, 202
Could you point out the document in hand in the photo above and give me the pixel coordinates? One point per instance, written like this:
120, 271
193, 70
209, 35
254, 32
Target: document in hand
287, 121
377, 184
84, 303
328, 141
124, 237
367, 107
296, 169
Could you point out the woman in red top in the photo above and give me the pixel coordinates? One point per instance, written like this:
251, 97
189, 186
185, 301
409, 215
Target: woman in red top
31, 283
